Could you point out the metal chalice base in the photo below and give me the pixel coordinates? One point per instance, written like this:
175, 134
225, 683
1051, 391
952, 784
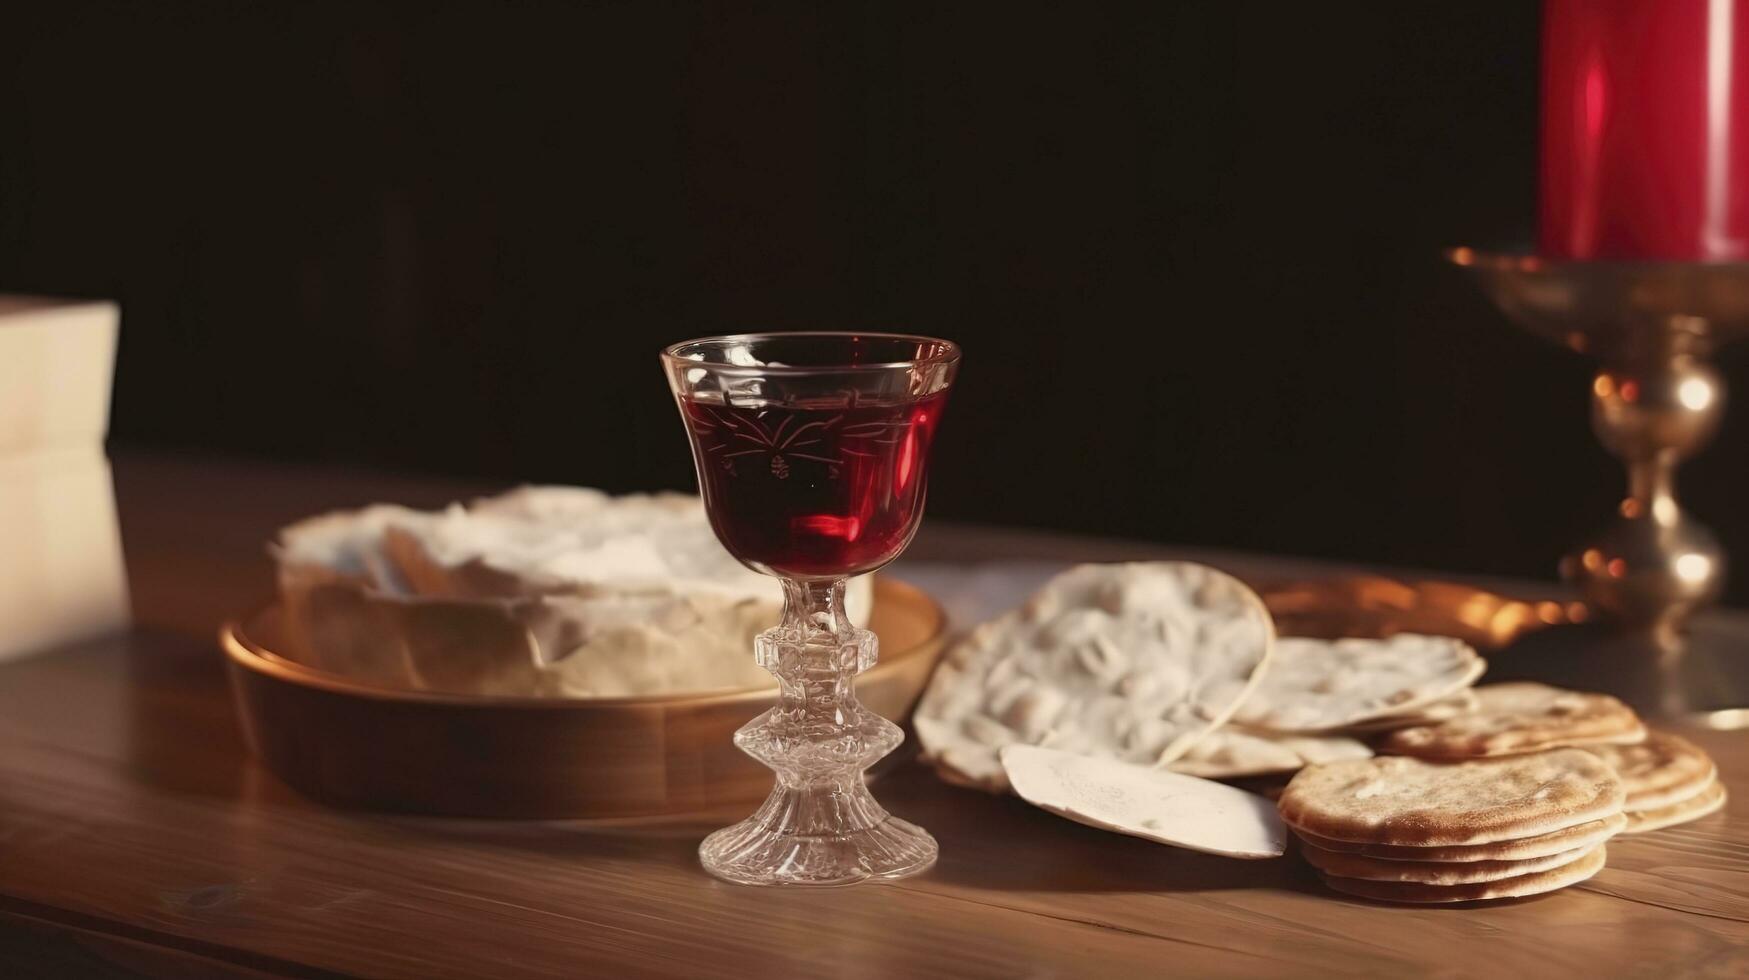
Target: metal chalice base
1655, 401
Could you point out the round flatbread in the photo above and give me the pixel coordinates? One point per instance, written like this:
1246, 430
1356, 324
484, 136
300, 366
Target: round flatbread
1577, 837
1230, 753
1150, 803
1521, 717
1660, 772
1404, 801
1133, 662
1707, 801
1535, 883
1461, 703
1322, 685
1432, 872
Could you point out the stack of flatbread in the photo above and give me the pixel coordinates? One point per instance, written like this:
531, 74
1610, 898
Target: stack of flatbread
1175, 665
1424, 827
1512, 719
1408, 830
1320, 700
1129, 678
1669, 780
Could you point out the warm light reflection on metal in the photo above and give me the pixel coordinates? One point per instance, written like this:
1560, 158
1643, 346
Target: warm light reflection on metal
1479, 608
1508, 621
1630, 508
1695, 394
1693, 567
1374, 606
1655, 401
1728, 720
1664, 510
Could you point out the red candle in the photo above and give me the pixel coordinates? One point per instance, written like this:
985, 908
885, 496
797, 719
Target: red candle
1645, 130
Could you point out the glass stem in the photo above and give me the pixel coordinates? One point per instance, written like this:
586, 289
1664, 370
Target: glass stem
816, 653
817, 605
818, 732
820, 825
818, 739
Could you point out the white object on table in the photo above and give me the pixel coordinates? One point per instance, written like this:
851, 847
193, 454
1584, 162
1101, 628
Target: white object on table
57, 363
61, 573
1140, 801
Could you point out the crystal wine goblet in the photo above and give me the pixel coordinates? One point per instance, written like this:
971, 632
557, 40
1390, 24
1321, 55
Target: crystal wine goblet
812, 453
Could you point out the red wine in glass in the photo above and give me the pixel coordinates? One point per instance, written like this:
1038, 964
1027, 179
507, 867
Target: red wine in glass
817, 489
812, 450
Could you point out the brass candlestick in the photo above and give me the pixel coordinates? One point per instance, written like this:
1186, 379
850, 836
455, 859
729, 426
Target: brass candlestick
1655, 401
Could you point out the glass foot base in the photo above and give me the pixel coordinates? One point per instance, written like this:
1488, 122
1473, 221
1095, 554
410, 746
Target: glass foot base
775, 847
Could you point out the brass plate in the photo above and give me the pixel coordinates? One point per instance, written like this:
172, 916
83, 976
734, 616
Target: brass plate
1372, 605
364, 745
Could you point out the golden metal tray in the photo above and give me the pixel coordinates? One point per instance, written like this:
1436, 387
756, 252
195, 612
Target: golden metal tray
1372, 605
352, 743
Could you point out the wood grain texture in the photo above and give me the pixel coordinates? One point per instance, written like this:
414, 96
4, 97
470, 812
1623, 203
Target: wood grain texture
133, 818
32, 948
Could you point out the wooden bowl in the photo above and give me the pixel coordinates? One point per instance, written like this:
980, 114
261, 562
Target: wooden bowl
356, 744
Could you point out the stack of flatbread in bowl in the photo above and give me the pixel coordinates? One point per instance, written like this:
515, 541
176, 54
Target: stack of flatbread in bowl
538, 592
1117, 693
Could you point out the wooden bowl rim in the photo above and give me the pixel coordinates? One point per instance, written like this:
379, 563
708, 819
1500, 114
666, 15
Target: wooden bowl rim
250, 655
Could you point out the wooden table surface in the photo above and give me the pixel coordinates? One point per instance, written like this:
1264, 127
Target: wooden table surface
137, 837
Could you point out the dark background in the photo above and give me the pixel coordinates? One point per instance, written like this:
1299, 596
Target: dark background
1192, 250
